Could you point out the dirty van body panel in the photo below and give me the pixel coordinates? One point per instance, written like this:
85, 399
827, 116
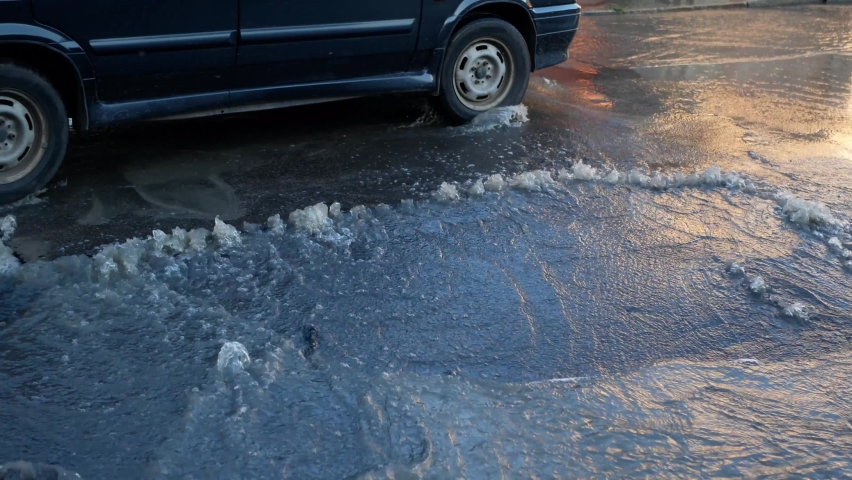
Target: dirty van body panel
152, 49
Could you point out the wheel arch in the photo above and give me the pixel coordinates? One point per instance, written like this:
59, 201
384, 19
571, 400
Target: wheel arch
55, 57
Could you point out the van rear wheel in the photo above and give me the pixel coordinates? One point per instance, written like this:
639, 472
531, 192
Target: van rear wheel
33, 132
487, 65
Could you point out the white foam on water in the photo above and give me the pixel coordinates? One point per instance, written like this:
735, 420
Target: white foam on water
313, 220
495, 183
612, 177
359, 211
757, 285
735, 269
8, 262
582, 171
8, 224
446, 193
837, 247
478, 188
534, 181
276, 225
499, 117
180, 241
31, 199
560, 380
233, 357
227, 235
795, 310
635, 177
806, 212
747, 361
658, 182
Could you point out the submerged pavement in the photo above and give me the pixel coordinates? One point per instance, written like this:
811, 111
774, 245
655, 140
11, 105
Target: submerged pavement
610, 304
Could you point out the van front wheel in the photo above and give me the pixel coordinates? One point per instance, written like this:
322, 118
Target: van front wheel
487, 65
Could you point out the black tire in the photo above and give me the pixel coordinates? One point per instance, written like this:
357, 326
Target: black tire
503, 36
48, 124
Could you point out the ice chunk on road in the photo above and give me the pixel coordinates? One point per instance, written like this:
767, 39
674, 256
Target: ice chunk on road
313, 220
7, 227
756, 284
227, 235
478, 188
233, 357
446, 193
534, 181
495, 183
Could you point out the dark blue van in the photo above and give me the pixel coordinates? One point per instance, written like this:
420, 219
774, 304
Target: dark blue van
103, 62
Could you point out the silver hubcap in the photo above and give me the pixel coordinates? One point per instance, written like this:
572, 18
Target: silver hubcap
484, 74
23, 135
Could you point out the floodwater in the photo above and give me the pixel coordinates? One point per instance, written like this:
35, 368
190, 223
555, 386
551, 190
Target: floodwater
590, 313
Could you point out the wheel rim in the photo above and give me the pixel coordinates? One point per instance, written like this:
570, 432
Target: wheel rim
484, 73
23, 135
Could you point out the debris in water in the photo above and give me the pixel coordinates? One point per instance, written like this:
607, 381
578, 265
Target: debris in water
495, 183
311, 335
534, 181
233, 357
478, 188
313, 220
757, 285
735, 269
227, 235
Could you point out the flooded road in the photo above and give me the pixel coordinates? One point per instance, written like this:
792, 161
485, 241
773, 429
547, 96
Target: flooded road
645, 272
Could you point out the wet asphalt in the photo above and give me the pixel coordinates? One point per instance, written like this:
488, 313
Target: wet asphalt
680, 90
580, 329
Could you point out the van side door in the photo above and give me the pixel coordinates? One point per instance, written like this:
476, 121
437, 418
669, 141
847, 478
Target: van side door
145, 49
285, 42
